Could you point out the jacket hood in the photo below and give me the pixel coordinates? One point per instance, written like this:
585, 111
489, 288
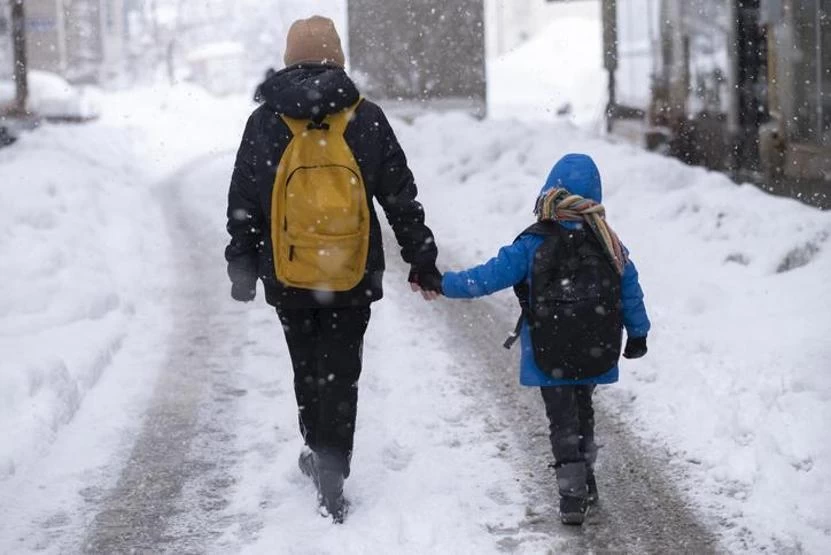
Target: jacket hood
308, 91
577, 174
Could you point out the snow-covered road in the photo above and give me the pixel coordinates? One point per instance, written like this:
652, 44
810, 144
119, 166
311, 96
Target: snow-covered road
179, 467
451, 456
181, 435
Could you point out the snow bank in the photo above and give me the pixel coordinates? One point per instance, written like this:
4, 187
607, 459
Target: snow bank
736, 386
559, 70
84, 253
177, 125
75, 252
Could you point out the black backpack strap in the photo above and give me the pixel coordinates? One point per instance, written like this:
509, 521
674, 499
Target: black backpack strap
522, 290
511, 339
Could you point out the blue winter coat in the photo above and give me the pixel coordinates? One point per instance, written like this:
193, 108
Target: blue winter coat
513, 264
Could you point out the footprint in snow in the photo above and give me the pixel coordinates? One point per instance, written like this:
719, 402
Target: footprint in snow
397, 457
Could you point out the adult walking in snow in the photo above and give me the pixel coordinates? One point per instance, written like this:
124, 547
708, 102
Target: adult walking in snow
302, 220
578, 289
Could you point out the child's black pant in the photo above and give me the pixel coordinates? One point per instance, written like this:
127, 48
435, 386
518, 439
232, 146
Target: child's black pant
326, 347
571, 421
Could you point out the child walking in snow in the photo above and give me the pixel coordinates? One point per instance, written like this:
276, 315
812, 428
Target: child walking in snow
578, 289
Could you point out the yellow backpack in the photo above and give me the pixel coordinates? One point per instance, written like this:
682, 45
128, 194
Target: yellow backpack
319, 209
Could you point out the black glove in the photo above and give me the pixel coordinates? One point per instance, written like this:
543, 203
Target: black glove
427, 277
635, 347
243, 292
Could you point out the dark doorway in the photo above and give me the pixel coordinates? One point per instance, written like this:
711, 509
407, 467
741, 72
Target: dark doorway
751, 82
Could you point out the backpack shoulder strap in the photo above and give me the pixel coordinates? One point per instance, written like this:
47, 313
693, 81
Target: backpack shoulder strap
545, 229
522, 290
295, 125
334, 122
338, 122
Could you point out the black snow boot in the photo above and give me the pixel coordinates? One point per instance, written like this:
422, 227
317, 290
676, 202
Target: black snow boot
330, 494
573, 510
328, 479
591, 485
572, 481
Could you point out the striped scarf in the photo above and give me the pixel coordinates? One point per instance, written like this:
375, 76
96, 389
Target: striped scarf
558, 205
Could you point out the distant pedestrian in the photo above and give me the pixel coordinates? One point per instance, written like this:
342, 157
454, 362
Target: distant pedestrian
578, 289
302, 220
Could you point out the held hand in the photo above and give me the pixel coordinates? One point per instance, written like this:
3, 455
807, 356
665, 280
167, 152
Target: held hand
635, 347
243, 293
426, 295
427, 279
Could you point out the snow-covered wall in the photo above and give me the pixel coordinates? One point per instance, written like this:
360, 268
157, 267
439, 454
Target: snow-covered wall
557, 74
511, 23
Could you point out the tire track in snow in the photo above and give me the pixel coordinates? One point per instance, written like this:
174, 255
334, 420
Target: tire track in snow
176, 478
641, 509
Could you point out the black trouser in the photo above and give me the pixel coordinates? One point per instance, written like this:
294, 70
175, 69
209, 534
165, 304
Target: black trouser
571, 421
326, 347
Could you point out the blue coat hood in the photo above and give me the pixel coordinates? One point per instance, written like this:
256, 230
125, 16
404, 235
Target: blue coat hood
578, 174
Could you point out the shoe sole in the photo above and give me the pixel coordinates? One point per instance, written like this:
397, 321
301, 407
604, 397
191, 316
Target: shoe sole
574, 519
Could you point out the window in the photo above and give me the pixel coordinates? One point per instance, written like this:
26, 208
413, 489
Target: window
812, 88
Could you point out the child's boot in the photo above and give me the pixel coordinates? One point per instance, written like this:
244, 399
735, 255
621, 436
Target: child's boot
572, 483
573, 510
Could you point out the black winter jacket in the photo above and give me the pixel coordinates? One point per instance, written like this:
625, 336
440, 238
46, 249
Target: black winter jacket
314, 91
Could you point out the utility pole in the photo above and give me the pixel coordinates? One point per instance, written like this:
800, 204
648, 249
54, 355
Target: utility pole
20, 66
610, 58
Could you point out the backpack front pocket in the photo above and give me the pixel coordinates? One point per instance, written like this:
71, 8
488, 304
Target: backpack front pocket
325, 262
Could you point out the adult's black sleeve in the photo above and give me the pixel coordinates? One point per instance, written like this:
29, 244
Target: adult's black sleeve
244, 213
396, 192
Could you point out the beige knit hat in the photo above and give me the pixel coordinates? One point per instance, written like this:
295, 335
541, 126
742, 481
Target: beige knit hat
313, 40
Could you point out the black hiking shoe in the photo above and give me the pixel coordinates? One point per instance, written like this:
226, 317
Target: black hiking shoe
573, 510
330, 495
591, 485
329, 485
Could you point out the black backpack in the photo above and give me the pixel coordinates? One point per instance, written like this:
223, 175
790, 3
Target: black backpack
573, 304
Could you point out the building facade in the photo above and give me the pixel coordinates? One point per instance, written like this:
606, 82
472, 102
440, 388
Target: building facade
510, 23
81, 40
422, 52
6, 68
742, 86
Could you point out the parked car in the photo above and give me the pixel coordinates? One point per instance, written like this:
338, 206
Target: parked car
53, 98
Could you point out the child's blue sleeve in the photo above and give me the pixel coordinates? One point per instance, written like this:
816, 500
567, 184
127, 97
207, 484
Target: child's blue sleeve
635, 319
506, 269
